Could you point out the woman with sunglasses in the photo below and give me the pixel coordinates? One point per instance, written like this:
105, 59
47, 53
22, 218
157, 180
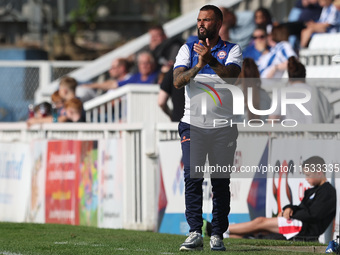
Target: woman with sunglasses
258, 46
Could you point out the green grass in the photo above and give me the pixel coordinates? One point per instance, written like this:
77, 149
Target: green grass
24, 238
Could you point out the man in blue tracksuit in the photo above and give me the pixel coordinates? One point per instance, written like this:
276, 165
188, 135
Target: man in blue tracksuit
200, 67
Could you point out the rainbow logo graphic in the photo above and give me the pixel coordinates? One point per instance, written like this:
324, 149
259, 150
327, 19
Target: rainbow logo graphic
209, 93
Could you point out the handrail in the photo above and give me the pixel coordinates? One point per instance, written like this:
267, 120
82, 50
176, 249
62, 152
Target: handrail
119, 92
336, 58
312, 128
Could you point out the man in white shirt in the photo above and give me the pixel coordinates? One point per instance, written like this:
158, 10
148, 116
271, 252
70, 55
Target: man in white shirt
199, 67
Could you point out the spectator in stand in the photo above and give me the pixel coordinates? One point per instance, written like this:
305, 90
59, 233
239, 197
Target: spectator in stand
74, 110
258, 46
177, 97
67, 91
58, 102
67, 88
303, 12
147, 72
318, 106
306, 221
229, 21
250, 78
309, 10
42, 110
273, 64
163, 49
263, 17
325, 24
118, 72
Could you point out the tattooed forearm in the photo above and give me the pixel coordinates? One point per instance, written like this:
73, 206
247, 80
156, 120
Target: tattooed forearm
230, 71
182, 77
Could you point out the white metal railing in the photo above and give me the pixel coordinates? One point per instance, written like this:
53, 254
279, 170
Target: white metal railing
131, 103
169, 131
336, 58
321, 49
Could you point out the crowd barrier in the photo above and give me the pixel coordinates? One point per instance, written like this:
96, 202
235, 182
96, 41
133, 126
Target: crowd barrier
113, 176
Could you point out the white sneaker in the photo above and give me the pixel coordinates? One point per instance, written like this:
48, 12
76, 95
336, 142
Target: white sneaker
216, 243
194, 242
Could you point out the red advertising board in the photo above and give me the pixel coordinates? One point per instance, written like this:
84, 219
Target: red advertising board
62, 174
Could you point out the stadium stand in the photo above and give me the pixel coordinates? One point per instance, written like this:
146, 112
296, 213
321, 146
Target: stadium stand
321, 49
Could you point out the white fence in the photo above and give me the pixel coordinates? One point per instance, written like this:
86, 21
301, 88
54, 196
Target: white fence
131, 103
140, 155
321, 49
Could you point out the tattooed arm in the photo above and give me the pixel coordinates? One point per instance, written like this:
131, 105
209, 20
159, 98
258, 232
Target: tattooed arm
229, 71
182, 76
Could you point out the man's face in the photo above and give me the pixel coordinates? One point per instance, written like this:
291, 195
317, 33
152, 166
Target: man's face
145, 65
115, 70
207, 26
156, 38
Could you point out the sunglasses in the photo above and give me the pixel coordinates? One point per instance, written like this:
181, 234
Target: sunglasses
259, 37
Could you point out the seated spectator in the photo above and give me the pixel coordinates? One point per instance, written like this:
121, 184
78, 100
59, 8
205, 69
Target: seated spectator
163, 49
319, 107
43, 109
167, 90
258, 46
119, 71
309, 10
250, 78
67, 90
273, 64
306, 221
147, 72
263, 17
58, 102
302, 12
325, 24
74, 110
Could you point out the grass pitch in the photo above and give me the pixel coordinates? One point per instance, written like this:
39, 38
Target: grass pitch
24, 238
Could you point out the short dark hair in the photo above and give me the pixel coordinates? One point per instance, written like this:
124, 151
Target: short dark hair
124, 62
315, 161
262, 28
157, 27
69, 82
296, 70
217, 11
280, 33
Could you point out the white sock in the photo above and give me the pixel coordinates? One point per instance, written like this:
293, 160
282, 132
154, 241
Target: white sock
226, 234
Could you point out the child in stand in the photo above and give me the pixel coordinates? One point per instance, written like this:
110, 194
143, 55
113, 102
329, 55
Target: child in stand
66, 91
74, 110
